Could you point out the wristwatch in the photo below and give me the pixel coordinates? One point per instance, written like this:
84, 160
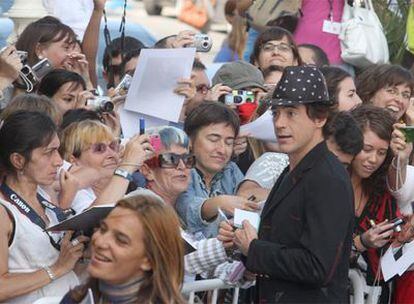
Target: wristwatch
49, 273
124, 173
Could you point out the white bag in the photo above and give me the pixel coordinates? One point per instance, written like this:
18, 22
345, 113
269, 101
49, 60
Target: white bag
362, 37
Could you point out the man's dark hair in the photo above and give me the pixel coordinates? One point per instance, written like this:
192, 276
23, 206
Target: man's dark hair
344, 130
319, 56
209, 113
318, 111
132, 48
198, 65
162, 43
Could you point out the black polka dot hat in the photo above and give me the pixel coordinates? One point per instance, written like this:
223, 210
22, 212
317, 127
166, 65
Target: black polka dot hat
300, 85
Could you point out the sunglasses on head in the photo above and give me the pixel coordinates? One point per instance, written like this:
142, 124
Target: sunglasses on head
172, 160
101, 148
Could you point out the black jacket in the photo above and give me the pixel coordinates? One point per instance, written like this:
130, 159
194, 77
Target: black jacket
305, 235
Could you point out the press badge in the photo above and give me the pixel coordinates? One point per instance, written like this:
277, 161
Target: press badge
331, 27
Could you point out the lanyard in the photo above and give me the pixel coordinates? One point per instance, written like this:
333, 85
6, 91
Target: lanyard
330, 16
26, 210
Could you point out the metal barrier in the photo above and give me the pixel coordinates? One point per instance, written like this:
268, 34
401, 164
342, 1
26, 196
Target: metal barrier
189, 289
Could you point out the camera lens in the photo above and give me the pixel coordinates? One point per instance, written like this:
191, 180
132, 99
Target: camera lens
205, 44
108, 106
237, 99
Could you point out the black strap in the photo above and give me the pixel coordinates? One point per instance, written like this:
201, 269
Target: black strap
24, 208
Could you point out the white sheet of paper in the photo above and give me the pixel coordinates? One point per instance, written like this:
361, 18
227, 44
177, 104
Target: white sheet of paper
241, 215
407, 258
155, 78
130, 122
388, 265
262, 128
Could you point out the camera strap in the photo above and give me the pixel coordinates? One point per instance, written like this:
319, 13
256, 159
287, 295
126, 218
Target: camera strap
108, 41
24, 208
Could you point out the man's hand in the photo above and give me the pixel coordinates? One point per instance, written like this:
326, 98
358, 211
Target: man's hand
243, 237
183, 39
10, 66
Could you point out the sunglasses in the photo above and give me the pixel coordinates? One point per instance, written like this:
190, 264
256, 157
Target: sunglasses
172, 160
101, 148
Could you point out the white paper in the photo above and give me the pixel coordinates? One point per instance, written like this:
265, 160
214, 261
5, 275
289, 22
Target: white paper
130, 122
155, 79
241, 215
390, 267
262, 128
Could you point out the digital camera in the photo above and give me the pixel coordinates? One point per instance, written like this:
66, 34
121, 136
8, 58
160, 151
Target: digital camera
202, 43
30, 76
101, 104
238, 97
123, 87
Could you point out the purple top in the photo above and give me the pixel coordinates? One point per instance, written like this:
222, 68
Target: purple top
309, 29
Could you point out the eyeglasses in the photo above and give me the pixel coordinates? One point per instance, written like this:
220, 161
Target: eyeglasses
394, 91
172, 160
202, 88
281, 47
101, 148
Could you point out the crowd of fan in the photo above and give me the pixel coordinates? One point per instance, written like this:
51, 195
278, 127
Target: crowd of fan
60, 156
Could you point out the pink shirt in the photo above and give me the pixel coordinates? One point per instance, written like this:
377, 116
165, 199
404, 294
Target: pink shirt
309, 29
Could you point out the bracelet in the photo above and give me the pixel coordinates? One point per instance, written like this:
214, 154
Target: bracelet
50, 273
363, 242
124, 174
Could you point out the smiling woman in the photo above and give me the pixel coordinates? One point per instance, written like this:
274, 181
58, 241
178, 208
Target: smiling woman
386, 86
373, 202
137, 255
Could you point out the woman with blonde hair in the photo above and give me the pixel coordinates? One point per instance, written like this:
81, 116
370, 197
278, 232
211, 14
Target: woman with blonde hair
137, 255
90, 143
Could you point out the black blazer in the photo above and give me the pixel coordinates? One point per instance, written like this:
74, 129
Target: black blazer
305, 235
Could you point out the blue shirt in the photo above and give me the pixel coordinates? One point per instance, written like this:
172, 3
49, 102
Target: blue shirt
189, 203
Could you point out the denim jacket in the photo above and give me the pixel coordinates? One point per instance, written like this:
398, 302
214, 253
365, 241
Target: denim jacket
189, 203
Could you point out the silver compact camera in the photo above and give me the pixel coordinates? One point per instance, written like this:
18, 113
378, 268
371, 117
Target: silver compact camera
202, 43
101, 104
30, 76
123, 87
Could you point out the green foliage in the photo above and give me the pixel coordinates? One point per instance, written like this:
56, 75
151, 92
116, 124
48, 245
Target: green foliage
393, 20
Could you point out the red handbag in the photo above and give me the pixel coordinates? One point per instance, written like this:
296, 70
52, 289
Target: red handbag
193, 15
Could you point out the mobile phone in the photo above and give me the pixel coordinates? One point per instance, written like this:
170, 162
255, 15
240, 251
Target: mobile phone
408, 133
123, 87
155, 142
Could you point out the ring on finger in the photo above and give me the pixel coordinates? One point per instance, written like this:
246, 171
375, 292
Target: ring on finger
75, 242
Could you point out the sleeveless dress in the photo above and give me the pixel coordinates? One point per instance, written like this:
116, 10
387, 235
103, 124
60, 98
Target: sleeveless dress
31, 250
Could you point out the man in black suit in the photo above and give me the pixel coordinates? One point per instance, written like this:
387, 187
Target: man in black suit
302, 249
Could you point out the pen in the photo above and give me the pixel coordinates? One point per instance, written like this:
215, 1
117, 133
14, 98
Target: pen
141, 126
251, 198
223, 215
